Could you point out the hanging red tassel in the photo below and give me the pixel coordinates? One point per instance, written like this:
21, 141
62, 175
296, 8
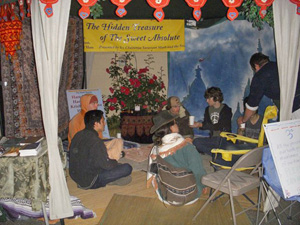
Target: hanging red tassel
28, 8
84, 12
48, 8
197, 5
21, 6
232, 13
120, 11
297, 2
158, 5
263, 4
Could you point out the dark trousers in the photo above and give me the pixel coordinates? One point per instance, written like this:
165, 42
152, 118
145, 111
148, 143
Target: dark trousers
205, 145
107, 176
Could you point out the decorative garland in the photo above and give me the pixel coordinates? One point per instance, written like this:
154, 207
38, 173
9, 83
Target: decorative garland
250, 11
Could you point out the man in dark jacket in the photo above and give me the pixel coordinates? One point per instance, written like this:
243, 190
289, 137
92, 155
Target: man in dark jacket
90, 166
217, 118
265, 82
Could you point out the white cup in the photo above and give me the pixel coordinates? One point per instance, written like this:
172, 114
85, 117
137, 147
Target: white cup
191, 120
243, 125
119, 135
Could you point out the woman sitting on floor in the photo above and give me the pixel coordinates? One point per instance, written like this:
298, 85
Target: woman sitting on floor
174, 150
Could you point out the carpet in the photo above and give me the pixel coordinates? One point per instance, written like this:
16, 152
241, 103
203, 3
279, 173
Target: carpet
124, 209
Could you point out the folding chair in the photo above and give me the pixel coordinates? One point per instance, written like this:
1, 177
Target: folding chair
271, 185
233, 182
224, 159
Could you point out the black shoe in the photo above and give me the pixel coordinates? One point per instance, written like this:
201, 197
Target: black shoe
122, 154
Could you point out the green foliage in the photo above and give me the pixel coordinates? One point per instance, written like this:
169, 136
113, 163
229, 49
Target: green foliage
97, 10
131, 86
251, 13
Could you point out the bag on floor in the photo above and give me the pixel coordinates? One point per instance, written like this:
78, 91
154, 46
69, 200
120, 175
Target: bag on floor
177, 186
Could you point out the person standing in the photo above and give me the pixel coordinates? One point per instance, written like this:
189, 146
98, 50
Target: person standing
265, 82
90, 167
217, 118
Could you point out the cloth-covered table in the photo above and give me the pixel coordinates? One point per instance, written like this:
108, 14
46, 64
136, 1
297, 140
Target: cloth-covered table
27, 177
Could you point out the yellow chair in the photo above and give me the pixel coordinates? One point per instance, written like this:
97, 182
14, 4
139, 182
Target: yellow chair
228, 157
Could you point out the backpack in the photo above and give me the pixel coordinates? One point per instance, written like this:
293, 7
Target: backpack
177, 186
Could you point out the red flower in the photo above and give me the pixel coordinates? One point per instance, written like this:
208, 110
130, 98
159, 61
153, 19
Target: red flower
151, 81
114, 100
109, 100
123, 104
140, 76
164, 103
162, 85
123, 89
144, 92
126, 69
107, 70
137, 83
149, 91
157, 100
144, 70
132, 81
111, 90
145, 106
154, 77
139, 95
111, 108
127, 91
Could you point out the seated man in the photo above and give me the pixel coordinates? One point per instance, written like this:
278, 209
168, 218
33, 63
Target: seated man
217, 118
90, 102
175, 108
90, 166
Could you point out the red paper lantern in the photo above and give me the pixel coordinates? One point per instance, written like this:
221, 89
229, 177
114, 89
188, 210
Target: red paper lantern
297, 2
158, 5
48, 8
232, 13
197, 5
263, 6
120, 11
84, 12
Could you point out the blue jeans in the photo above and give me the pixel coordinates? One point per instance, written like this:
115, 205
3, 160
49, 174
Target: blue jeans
107, 176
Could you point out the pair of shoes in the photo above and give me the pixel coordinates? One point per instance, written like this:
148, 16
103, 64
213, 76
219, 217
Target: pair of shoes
122, 181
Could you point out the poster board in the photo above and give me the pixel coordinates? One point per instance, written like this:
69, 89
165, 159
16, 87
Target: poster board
73, 98
284, 143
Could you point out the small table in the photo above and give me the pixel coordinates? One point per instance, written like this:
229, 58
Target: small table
27, 177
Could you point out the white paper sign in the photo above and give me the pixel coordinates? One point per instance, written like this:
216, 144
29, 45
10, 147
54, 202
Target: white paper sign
284, 142
73, 97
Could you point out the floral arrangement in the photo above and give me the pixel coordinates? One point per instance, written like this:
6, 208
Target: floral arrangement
133, 87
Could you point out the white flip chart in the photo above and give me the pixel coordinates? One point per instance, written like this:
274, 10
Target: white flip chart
284, 142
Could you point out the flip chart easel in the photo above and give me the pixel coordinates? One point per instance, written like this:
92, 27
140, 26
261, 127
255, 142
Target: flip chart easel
73, 97
284, 143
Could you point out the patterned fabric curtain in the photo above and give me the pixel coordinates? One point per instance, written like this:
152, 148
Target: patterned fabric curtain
21, 101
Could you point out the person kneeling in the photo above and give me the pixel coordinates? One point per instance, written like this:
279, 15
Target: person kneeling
90, 167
